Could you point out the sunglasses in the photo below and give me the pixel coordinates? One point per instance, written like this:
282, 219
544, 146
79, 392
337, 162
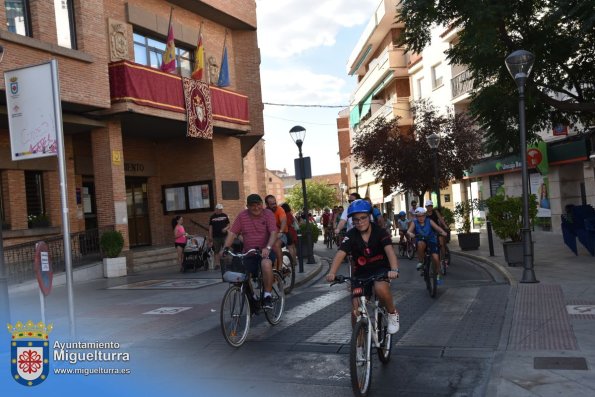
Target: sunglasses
358, 219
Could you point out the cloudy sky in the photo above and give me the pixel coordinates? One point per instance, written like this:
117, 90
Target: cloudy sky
305, 45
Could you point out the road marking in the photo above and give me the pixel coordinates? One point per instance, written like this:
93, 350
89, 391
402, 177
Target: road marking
264, 330
191, 283
168, 310
580, 309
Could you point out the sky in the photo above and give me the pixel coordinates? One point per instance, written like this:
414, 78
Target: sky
305, 46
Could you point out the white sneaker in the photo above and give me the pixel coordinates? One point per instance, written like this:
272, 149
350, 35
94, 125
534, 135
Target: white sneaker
393, 323
419, 266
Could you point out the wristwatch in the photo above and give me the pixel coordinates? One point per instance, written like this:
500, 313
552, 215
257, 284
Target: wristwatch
269, 247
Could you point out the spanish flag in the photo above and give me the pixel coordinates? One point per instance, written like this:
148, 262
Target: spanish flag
168, 63
199, 57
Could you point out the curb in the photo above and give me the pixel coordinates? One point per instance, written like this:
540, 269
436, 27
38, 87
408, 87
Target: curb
498, 267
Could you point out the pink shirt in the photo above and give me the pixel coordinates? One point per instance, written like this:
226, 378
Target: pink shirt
255, 230
181, 233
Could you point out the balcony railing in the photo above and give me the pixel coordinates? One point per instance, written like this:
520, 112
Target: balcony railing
19, 259
461, 84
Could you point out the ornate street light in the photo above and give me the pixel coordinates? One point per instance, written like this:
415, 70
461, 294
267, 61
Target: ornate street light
434, 141
298, 134
356, 171
519, 64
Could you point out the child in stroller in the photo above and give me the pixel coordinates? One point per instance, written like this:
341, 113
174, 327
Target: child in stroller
196, 253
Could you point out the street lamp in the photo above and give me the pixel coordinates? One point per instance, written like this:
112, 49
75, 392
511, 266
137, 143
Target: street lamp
356, 170
519, 64
298, 134
434, 141
342, 189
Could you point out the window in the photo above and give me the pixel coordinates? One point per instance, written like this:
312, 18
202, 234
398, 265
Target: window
436, 76
34, 193
65, 23
187, 197
420, 83
17, 17
149, 51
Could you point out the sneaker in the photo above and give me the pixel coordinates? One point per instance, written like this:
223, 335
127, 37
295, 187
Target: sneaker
420, 266
393, 323
439, 280
267, 302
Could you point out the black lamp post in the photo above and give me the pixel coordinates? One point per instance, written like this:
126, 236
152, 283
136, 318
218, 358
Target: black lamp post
298, 134
356, 170
519, 64
434, 141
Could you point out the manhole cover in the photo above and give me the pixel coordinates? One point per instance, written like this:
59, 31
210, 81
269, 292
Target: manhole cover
568, 363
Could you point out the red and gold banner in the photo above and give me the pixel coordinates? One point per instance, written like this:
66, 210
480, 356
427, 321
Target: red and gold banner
199, 114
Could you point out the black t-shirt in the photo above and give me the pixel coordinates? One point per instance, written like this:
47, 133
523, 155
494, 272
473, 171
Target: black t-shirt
219, 222
370, 255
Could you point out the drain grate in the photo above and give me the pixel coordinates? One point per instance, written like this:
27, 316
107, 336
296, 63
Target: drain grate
567, 363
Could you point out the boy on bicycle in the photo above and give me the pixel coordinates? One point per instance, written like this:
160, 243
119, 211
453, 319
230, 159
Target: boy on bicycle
371, 249
425, 232
403, 225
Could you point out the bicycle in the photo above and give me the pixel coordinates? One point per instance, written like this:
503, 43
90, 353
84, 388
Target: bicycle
242, 298
407, 248
370, 330
330, 238
445, 260
287, 270
430, 276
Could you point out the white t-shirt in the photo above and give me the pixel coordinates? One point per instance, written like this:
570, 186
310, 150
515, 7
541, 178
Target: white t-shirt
349, 224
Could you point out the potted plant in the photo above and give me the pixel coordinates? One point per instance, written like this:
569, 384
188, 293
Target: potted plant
506, 215
467, 240
111, 243
314, 231
38, 220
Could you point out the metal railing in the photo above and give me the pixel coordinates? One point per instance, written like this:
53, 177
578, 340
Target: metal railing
19, 259
461, 84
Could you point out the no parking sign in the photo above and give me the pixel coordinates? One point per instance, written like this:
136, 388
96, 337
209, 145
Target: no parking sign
43, 268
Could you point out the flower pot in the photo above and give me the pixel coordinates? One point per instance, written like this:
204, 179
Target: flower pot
468, 241
513, 253
114, 267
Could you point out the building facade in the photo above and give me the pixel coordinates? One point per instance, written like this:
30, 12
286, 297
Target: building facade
129, 162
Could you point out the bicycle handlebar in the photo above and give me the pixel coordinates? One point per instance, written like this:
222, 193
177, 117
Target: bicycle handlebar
340, 279
253, 251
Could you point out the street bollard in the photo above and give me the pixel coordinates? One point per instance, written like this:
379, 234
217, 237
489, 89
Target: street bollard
490, 238
300, 254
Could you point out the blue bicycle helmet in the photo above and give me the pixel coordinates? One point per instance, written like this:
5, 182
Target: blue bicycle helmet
402, 213
359, 206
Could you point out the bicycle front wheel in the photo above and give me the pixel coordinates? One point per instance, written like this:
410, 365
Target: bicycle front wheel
235, 316
432, 281
410, 250
360, 362
384, 338
273, 315
288, 272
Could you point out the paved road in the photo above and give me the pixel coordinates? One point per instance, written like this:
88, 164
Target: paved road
445, 347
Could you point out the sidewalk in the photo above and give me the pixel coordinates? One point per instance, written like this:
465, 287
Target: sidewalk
547, 346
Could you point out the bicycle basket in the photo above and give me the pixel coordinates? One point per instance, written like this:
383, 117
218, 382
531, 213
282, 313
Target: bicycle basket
233, 269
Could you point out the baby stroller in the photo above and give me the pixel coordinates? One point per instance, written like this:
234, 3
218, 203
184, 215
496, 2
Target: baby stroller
196, 254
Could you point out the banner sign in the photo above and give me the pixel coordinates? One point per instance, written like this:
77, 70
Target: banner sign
31, 112
199, 114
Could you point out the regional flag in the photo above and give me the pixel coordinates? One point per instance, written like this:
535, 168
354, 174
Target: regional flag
168, 63
199, 57
224, 71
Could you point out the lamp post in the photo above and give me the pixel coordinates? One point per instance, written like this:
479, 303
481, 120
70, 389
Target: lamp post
342, 189
298, 134
519, 64
434, 141
356, 170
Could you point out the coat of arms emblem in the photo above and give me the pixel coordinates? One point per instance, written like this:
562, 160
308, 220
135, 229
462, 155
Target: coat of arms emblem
29, 352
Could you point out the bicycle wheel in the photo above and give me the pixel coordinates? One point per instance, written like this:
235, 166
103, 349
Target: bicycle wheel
235, 316
360, 362
426, 273
288, 272
401, 250
384, 339
331, 240
433, 282
410, 250
278, 297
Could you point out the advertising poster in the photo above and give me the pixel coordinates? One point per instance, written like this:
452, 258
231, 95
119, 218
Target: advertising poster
540, 188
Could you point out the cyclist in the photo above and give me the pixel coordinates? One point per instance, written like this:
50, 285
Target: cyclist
371, 248
258, 229
436, 216
281, 220
426, 229
412, 209
325, 219
403, 225
345, 221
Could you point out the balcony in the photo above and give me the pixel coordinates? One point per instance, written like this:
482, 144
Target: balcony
461, 84
398, 60
145, 86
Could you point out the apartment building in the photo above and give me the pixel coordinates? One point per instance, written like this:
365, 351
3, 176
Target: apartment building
129, 161
383, 90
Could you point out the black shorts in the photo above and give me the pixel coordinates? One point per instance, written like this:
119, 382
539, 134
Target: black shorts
252, 263
368, 271
181, 245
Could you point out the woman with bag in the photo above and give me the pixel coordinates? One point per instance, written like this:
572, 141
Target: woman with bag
180, 237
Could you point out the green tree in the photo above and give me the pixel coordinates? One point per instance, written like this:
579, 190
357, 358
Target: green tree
320, 195
403, 159
560, 33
